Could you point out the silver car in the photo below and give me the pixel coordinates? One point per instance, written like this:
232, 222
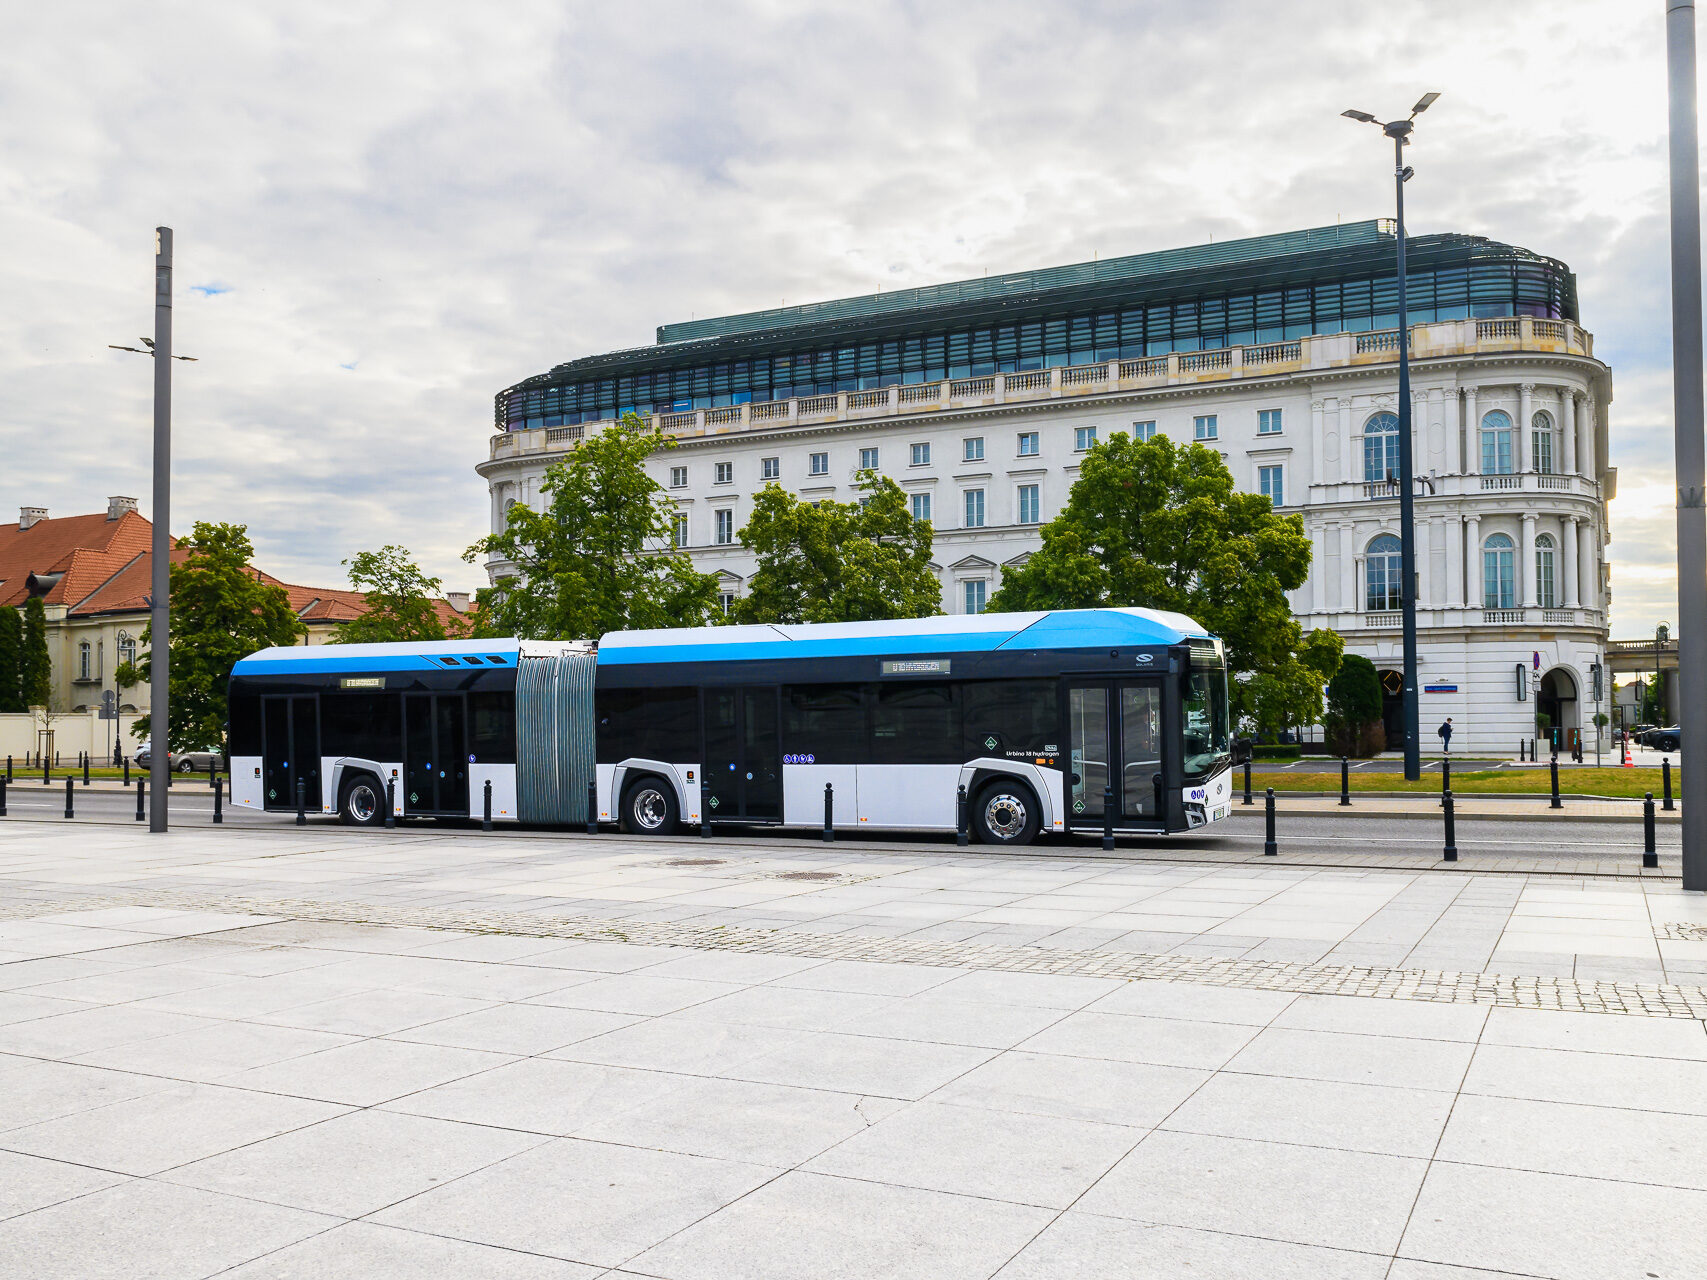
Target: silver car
182, 761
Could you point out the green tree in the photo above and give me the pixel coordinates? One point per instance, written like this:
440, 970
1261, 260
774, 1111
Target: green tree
1160, 525
595, 560
1354, 707
35, 668
11, 658
838, 561
221, 611
400, 600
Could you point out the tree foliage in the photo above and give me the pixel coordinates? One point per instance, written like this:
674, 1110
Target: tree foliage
1160, 525
35, 667
838, 561
400, 600
595, 559
1354, 707
11, 659
221, 611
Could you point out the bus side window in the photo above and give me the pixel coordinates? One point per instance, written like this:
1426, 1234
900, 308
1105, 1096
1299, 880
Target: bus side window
1022, 717
916, 724
366, 725
824, 721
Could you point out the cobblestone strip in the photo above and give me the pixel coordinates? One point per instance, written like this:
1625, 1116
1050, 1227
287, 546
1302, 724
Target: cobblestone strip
1656, 1000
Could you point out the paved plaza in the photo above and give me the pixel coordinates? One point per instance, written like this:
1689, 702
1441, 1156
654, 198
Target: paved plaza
270, 1051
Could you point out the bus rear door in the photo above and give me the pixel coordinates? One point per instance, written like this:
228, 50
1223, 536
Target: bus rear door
743, 753
290, 750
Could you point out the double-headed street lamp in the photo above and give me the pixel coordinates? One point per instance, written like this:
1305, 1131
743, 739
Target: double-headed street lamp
1400, 131
159, 655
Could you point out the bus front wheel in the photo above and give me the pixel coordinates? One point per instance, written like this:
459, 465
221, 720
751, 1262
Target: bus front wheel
363, 802
1006, 814
649, 808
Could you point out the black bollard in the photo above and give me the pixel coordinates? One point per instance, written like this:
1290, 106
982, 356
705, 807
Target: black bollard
8, 768
593, 807
69, 781
1650, 854
391, 802
1665, 778
1345, 781
45, 780
127, 771
1553, 769
1247, 782
1108, 818
961, 835
3, 797
1450, 852
141, 788
486, 806
704, 807
85, 768
1445, 778
218, 797
1269, 849
301, 802
829, 813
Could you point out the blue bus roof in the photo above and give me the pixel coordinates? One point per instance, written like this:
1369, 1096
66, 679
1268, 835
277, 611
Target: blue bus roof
954, 633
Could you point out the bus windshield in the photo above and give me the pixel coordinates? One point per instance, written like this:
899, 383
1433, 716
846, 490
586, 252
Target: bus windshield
1203, 702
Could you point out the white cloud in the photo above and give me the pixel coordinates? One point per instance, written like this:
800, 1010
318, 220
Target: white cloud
412, 206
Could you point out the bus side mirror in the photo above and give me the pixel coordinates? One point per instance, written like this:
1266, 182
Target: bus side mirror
1241, 750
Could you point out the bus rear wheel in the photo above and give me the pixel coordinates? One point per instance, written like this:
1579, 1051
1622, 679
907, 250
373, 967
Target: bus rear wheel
363, 802
1006, 814
649, 808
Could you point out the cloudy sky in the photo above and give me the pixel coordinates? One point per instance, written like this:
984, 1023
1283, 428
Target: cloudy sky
386, 213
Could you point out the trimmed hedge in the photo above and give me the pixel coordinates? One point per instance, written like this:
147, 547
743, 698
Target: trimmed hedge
1276, 751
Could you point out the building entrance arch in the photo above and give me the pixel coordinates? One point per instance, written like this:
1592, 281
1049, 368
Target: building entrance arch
1557, 700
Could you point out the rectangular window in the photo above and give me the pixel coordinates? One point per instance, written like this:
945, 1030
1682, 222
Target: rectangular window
678, 477
726, 602
1021, 716
649, 724
1142, 431
1271, 483
679, 534
725, 528
975, 592
369, 725
820, 464
922, 507
1028, 444
491, 728
974, 509
915, 724
868, 459
1028, 506
1206, 427
825, 721
724, 473
1544, 452
1268, 422
974, 451
921, 454
770, 468
1083, 438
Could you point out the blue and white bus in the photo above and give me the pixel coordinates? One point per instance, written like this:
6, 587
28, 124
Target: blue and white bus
1043, 718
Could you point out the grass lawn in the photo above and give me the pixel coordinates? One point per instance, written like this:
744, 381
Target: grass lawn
1609, 781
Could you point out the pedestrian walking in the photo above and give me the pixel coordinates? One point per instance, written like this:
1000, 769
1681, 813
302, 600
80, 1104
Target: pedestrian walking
1445, 732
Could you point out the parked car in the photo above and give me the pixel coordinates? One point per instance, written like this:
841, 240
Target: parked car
1638, 733
182, 761
1664, 739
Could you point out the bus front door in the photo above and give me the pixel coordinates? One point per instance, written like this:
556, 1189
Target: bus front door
743, 754
1114, 740
290, 751
435, 754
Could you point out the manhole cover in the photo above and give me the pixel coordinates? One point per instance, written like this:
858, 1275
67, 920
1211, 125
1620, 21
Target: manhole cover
694, 862
810, 875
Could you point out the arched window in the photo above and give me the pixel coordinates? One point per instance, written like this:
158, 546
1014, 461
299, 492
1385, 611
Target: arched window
1544, 561
1382, 577
83, 653
1542, 424
1380, 448
1496, 443
1499, 573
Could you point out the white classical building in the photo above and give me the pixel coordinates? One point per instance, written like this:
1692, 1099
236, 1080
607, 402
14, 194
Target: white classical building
980, 399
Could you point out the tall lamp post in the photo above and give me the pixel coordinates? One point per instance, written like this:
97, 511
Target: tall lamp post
159, 644
1400, 132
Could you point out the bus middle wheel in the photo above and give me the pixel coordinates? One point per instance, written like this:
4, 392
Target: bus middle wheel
363, 802
1006, 813
649, 808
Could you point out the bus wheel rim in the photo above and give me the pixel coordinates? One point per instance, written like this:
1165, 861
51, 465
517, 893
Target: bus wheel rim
1004, 815
363, 803
649, 808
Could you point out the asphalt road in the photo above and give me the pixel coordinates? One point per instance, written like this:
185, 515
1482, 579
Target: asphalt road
192, 805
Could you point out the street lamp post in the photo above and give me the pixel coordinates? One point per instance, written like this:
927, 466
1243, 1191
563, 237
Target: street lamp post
1400, 131
159, 644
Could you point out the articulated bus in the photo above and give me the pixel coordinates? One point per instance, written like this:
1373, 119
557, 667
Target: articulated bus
1043, 719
